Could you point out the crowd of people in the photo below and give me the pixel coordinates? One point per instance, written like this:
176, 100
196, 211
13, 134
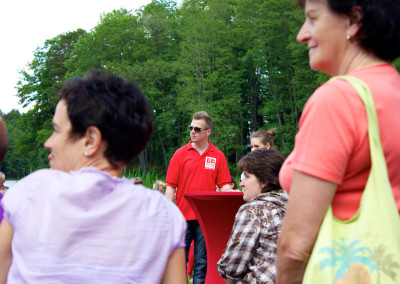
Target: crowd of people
81, 222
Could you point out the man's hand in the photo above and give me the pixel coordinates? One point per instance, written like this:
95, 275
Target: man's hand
227, 188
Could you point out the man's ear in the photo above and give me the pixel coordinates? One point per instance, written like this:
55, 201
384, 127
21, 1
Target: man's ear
93, 140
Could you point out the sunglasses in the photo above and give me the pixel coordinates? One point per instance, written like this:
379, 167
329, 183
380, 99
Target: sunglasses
197, 129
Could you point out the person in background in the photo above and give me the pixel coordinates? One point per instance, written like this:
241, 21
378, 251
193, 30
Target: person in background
79, 222
138, 180
250, 254
330, 162
234, 184
3, 188
197, 166
262, 139
160, 186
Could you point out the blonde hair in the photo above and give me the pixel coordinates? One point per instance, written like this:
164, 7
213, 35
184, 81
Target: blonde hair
138, 180
160, 186
203, 115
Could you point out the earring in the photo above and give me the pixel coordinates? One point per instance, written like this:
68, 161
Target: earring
85, 154
348, 37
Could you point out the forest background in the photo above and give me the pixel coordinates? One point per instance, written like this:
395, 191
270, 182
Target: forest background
236, 59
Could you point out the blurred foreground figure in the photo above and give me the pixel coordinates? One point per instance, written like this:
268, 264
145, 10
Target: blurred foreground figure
79, 222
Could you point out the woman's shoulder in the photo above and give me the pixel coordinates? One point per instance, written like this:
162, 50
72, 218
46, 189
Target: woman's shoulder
333, 102
39, 176
269, 199
332, 92
337, 91
157, 203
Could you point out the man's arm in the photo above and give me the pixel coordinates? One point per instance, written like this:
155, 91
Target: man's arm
170, 193
227, 187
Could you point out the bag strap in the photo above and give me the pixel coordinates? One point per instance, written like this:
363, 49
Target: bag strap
377, 156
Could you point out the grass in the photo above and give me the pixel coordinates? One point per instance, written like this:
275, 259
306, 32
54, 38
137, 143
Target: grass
151, 176
148, 178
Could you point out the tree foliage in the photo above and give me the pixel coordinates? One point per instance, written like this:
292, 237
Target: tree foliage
236, 59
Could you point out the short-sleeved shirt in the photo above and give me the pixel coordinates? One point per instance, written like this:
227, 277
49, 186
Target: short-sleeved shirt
250, 255
189, 171
89, 227
332, 142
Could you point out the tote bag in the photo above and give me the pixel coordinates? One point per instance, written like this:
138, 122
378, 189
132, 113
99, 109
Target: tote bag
366, 248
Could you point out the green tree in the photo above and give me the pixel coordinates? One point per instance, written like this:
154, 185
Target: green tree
210, 74
117, 39
157, 76
16, 163
39, 87
278, 79
236, 59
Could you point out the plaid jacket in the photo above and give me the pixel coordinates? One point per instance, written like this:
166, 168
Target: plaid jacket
250, 254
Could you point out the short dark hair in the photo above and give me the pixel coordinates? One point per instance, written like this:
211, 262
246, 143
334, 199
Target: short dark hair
380, 24
118, 108
266, 136
203, 115
265, 165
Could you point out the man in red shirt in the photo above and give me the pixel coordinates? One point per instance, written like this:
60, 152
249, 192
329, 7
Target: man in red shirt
197, 166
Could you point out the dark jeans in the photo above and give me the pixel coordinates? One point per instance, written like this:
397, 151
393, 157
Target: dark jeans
194, 232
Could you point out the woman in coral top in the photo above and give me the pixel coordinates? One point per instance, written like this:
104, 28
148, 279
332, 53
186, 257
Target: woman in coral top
331, 161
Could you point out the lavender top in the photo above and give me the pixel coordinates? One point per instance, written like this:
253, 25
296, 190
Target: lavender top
89, 227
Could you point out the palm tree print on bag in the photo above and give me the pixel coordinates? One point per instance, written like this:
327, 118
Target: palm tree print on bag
384, 262
353, 262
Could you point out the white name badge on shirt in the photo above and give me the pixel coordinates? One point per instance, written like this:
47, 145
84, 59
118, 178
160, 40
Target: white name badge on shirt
210, 163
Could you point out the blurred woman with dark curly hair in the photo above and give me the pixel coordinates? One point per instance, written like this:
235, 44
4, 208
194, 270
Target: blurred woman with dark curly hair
79, 222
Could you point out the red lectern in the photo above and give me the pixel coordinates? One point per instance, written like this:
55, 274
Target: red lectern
215, 212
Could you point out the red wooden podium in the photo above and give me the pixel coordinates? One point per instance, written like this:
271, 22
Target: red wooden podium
215, 212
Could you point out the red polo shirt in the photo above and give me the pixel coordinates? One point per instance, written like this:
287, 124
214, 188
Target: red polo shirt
189, 171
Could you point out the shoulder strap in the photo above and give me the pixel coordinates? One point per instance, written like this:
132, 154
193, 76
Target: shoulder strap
377, 156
